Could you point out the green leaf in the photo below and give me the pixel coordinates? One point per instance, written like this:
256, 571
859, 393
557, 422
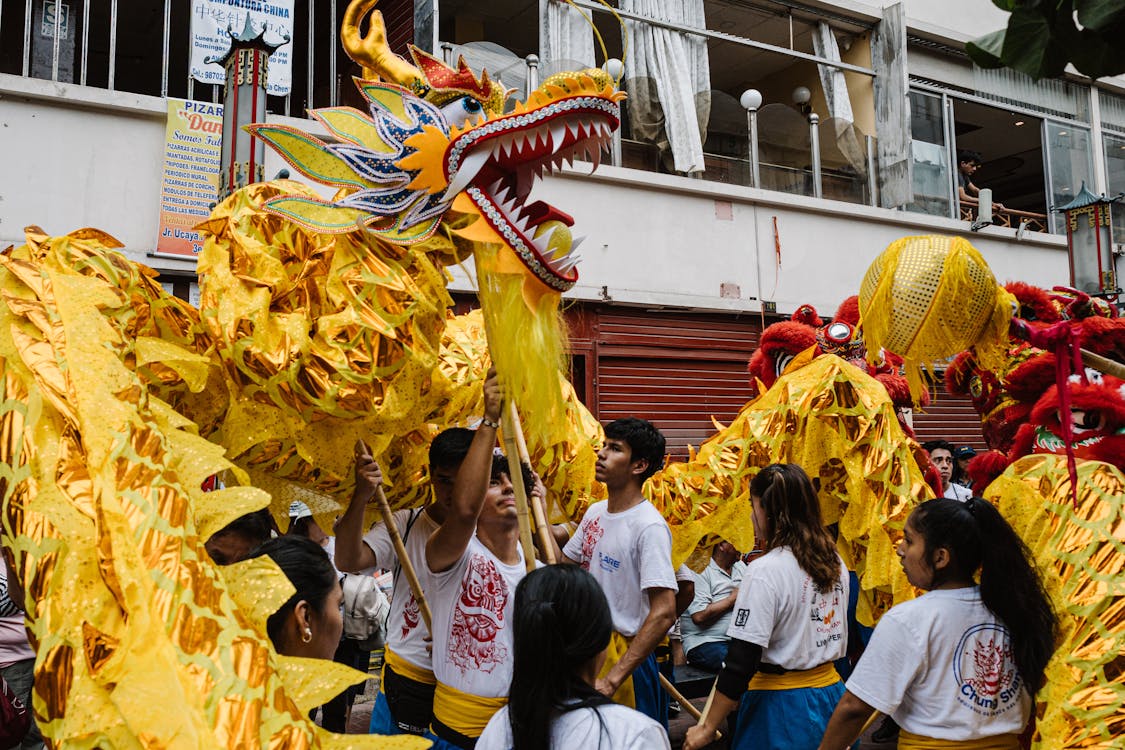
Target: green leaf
1099, 15
986, 50
1027, 44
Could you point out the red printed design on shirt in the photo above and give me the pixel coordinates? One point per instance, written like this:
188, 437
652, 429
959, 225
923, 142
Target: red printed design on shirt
410, 615
478, 617
591, 534
985, 671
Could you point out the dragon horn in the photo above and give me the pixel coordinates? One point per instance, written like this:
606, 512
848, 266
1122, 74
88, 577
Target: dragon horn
371, 51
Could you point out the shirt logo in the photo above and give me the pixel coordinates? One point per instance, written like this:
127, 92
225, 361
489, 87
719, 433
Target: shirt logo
987, 680
741, 618
608, 563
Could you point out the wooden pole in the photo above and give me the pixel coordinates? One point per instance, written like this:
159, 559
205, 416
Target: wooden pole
542, 528
510, 420
700, 716
403, 559
1102, 364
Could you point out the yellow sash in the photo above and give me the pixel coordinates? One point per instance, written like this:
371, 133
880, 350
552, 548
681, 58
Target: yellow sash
823, 676
462, 712
618, 645
406, 669
910, 741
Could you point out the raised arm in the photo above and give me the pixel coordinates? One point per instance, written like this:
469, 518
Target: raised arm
352, 554
449, 542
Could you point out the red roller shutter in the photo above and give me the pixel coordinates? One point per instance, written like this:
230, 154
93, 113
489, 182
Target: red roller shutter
951, 418
676, 369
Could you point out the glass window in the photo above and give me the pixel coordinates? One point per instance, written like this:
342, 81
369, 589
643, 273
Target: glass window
932, 175
1069, 164
1115, 179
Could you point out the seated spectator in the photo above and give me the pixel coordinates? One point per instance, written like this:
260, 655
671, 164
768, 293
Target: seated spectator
716, 591
941, 455
562, 626
311, 622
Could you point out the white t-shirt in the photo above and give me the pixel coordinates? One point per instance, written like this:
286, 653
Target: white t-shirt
780, 609
941, 666
406, 633
954, 491
472, 605
712, 585
624, 729
627, 553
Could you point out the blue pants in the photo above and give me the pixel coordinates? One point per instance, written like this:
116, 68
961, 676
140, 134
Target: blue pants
709, 655
651, 699
381, 720
785, 719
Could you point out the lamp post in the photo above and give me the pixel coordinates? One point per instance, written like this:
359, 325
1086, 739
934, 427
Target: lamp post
751, 99
244, 102
1089, 243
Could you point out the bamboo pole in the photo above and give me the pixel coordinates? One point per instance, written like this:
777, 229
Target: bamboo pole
403, 560
538, 515
701, 716
510, 421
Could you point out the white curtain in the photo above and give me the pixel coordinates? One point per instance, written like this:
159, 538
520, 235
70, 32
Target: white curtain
669, 99
567, 35
832, 79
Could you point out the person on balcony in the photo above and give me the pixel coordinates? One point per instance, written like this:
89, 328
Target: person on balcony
968, 163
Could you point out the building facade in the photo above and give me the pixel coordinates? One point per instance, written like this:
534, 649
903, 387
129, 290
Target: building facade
698, 235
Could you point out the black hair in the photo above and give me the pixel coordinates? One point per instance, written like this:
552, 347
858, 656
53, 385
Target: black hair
644, 440
255, 526
969, 156
793, 512
300, 526
932, 445
561, 622
500, 466
308, 568
449, 447
977, 537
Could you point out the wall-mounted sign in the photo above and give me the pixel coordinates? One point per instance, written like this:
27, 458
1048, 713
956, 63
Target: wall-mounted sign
192, 149
211, 22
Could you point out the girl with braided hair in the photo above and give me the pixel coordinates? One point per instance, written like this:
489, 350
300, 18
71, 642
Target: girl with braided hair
561, 627
957, 667
790, 624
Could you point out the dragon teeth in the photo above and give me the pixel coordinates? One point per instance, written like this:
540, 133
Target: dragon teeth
470, 165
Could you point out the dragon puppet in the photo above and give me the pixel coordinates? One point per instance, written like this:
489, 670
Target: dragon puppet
321, 322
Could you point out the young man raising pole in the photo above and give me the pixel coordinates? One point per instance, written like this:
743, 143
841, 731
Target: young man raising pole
475, 563
406, 694
627, 546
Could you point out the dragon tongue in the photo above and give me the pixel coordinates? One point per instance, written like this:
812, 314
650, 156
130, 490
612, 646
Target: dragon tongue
540, 212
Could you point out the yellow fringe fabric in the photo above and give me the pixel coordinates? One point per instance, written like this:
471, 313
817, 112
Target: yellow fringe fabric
101, 487
839, 425
818, 677
527, 344
929, 297
1080, 551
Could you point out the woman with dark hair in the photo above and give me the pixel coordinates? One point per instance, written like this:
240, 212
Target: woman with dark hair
310, 623
790, 624
959, 665
562, 626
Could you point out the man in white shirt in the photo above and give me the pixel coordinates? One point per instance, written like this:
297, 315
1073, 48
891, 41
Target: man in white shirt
474, 564
716, 591
406, 694
627, 546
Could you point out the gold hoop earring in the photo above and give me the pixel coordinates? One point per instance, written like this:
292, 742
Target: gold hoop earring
307, 636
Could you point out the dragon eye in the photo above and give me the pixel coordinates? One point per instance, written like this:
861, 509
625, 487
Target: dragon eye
458, 111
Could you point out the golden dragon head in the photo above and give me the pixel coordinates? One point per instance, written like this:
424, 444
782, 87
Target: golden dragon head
434, 133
